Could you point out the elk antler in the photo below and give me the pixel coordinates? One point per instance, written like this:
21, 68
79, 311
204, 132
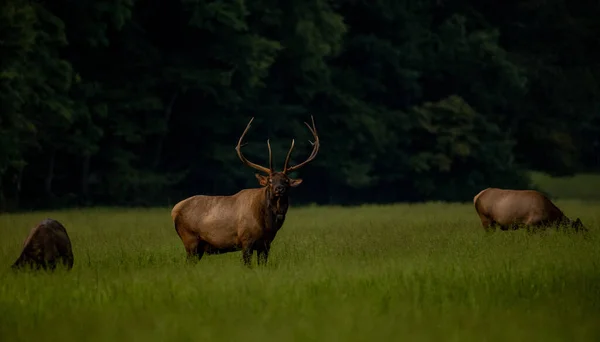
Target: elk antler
313, 154
270, 155
246, 161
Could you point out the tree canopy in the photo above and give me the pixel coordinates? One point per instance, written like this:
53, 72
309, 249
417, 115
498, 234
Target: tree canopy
141, 102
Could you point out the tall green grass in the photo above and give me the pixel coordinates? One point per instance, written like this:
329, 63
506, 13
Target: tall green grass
400, 272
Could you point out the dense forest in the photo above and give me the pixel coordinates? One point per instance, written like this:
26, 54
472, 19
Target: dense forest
141, 102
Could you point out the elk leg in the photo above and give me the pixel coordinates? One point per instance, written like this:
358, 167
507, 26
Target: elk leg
66, 262
560, 225
487, 224
51, 265
193, 249
263, 254
200, 249
247, 250
534, 226
193, 246
490, 228
65, 256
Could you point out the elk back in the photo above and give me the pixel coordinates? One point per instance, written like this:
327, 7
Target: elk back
46, 245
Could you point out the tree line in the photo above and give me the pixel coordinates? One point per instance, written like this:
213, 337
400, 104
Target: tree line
141, 102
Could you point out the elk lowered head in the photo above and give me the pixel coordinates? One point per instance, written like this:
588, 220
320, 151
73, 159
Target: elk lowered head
578, 226
278, 183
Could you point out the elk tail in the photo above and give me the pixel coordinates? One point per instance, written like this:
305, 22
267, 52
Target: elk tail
476, 198
175, 214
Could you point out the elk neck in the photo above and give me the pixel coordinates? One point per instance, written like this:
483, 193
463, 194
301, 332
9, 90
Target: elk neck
274, 209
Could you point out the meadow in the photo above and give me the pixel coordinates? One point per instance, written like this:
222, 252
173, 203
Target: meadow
424, 272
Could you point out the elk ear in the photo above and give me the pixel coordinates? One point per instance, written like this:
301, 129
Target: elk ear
295, 182
262, 180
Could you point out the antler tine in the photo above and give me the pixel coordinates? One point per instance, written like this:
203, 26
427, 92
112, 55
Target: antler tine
246, 161
314, 152
313, 130
270, 155
287, 158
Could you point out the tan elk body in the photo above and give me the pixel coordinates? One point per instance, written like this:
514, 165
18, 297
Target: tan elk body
248, 220
510, 209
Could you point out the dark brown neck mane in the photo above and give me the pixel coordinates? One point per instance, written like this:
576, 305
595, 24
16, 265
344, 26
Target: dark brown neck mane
274, 210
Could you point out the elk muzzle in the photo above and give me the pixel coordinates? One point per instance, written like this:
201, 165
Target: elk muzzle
280, 190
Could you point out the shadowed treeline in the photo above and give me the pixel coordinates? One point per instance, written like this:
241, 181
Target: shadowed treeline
142, 102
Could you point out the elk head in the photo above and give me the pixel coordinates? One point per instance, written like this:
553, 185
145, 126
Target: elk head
578, 226
278, 183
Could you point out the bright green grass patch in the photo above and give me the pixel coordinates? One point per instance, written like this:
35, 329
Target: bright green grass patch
402, 272
581, 186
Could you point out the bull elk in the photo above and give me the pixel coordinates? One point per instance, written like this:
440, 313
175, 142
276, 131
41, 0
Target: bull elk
248, 220
46, 244
510, 209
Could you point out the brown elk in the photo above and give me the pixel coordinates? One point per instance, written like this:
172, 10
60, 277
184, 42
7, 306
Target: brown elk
46, 244
510, 209
246, 221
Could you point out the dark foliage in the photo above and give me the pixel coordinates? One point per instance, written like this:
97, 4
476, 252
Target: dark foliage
141, 102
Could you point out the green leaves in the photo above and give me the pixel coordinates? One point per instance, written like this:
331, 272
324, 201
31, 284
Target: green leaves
209, 15
455, 141
143, 100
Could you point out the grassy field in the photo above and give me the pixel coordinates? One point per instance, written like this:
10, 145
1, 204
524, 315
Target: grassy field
403, 272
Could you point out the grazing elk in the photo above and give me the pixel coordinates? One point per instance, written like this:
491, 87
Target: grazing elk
246, 221
509, 209
47, 244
